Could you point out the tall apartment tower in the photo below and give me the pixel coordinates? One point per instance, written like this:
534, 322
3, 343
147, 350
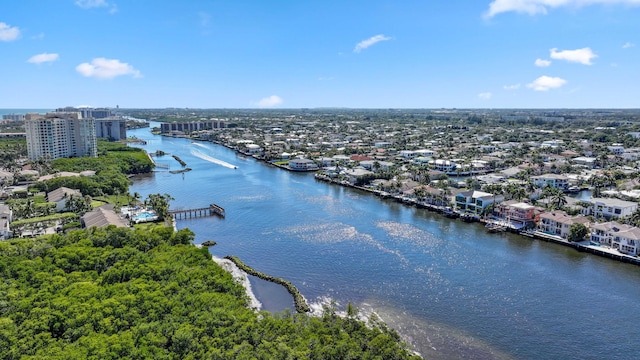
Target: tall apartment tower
60, 135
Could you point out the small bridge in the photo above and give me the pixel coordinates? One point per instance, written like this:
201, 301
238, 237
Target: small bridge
212, 210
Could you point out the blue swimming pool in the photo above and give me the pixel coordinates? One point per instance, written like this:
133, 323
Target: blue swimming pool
144, 216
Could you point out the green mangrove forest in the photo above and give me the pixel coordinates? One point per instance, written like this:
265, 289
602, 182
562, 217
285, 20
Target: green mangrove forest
114, 293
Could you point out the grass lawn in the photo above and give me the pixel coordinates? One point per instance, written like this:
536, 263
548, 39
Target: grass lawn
119, 200
97, 203
148, 226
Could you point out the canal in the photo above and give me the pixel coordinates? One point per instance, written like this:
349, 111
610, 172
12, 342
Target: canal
450, 289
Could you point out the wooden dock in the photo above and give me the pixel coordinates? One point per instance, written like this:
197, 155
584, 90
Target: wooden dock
212, 210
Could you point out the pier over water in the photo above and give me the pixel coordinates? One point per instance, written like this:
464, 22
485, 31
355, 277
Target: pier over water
212, 210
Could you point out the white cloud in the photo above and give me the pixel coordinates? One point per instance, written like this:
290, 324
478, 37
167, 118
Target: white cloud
628, 45
8, 33
42, 58
270, 101
88, 4
106, 69
545, 83
512, 87
485, 95
582, 56
370, 41
534, 7
205, 19
543, 63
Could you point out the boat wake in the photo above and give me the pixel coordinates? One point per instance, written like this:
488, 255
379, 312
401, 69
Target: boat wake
211, 159
200, 145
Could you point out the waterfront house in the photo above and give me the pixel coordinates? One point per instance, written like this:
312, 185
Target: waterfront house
559, 222
355, 175
518, 214
609, 208
554, 180
624, 238
302, 165
474, 201
60, 197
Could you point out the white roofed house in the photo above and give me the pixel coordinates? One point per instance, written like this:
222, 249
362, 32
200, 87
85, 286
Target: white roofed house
302, 165
475, 202
557, 181
624, 238
445, 166
611, 208
60, 197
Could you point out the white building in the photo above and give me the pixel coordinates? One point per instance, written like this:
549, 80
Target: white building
445, 166
557, 181
616, 149
609, 208
302, 165
474, 201
624, 238
60, 197
60, 135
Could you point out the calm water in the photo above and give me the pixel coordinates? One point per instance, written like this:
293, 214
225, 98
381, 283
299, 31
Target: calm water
451, 289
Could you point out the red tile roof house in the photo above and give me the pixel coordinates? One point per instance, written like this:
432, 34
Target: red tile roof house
558, 223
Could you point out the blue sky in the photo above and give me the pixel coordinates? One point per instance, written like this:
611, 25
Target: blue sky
293, 54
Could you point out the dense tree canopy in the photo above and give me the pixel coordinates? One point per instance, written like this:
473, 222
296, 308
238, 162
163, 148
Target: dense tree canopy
118, 293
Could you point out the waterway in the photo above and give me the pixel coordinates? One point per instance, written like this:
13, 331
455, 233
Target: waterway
451, 289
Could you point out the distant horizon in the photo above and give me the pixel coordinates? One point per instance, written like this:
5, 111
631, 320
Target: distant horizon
318, 108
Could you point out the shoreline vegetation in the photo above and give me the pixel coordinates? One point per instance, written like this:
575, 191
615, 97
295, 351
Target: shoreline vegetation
298, 300
117, 293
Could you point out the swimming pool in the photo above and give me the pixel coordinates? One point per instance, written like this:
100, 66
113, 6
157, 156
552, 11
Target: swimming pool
144, 216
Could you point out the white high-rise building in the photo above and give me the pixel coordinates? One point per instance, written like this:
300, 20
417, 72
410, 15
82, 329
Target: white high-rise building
60, 135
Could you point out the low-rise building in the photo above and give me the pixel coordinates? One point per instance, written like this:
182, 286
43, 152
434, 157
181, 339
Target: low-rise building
60, 197
554, 180
611, 208
518, 214
624, 238
302, 165
475, 202
103, 216
559, 223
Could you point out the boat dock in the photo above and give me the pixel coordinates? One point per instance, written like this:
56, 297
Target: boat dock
212, 210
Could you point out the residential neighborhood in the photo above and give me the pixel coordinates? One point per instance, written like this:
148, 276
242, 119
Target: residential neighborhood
538, 174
